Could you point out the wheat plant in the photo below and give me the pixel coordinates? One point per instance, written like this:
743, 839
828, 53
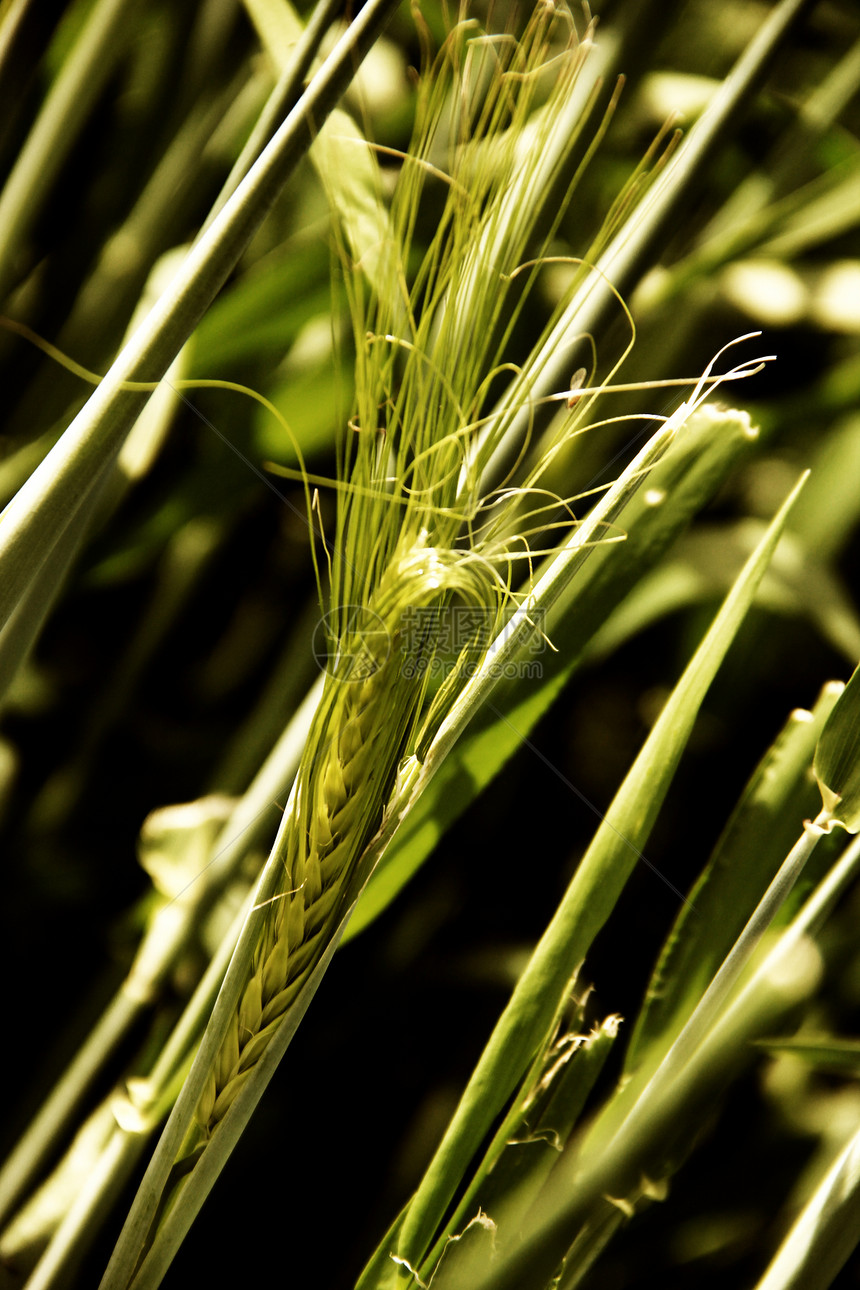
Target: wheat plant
439, 326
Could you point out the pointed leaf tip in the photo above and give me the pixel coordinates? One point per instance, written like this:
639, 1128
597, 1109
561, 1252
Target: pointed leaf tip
837, 759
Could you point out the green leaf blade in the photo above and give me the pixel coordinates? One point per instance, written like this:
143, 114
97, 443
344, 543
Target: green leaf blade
590, 898
837, 760
753, 844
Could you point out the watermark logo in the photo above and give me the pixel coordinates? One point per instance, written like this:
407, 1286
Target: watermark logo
436, 640
431, 642
363, 648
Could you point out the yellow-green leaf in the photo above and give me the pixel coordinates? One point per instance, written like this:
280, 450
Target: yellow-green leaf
837, 759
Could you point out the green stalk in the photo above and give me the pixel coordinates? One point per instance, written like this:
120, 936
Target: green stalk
757, 836
70, 100
584, 909
135, 1116
787, 974
633, 248
164, 942
282, 98
823, 1236
752, 213
93, 1202
23, 626
704, 1016
140, 1262
29, 1156
21, 630
37, 518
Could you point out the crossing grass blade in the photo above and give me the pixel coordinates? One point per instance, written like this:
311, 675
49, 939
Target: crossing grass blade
73, 472
837, 758
703, 453
824, 1234
756, 838
589, 900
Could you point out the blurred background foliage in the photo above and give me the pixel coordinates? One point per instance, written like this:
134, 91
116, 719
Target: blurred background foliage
182, 641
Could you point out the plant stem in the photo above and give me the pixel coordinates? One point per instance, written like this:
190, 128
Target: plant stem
70, 100
36, 519
785, 975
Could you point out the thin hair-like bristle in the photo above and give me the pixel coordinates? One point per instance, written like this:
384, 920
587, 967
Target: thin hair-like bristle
430, 339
